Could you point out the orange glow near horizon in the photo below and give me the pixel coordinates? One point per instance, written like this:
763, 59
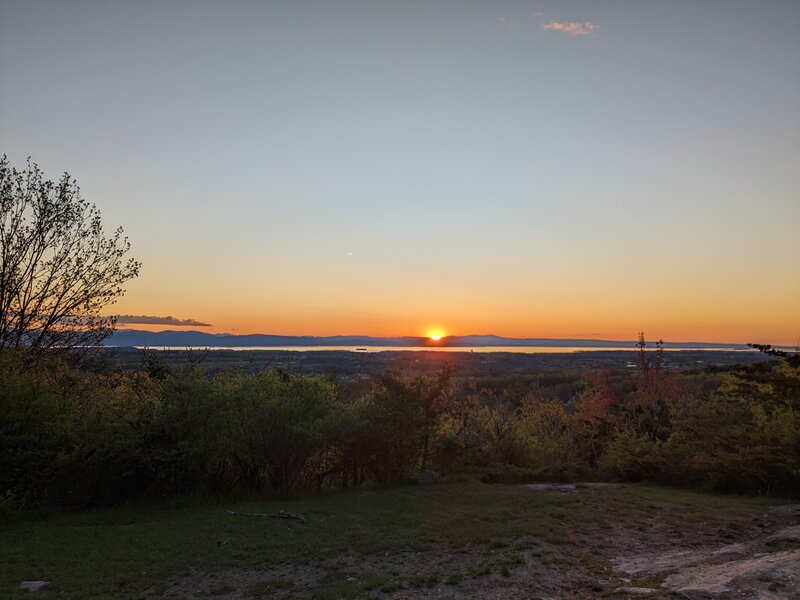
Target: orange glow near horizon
576, 329
570, 295
584, 308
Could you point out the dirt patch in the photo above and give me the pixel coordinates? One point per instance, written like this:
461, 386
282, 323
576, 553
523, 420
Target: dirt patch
625, 550
764, 565
764, 576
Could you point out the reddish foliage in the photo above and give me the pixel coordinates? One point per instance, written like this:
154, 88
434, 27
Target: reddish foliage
596, 402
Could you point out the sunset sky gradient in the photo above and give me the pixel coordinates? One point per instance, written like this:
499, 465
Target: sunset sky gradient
528, 169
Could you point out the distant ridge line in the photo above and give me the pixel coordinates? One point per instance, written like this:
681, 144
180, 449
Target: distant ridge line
134, 337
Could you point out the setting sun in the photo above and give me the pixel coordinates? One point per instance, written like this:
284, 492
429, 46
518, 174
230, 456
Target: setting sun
436, 336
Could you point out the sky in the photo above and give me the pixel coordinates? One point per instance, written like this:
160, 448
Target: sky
528, 169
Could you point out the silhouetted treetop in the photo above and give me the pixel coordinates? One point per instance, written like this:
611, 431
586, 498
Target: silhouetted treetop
58, 270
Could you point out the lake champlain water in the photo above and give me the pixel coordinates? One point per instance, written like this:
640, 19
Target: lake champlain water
517, 349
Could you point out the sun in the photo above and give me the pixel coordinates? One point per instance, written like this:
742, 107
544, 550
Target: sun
435, 334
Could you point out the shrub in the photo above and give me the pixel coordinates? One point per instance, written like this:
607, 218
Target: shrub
632, 456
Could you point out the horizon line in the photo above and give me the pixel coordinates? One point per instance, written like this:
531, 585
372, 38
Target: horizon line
444, 338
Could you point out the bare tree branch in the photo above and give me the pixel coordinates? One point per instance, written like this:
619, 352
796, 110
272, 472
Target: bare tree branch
58, 270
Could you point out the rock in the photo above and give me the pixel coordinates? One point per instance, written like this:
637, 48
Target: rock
790, 534
33, 586
725, 577
635, 590
730, 549
566, 487
550, 487
658, 563
786, 509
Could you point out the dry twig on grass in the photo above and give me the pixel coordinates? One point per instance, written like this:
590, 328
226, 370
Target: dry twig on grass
281, 514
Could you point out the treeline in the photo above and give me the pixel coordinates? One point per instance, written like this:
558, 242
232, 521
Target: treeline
79, 438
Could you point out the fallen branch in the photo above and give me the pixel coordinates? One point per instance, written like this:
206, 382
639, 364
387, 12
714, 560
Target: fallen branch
281, 514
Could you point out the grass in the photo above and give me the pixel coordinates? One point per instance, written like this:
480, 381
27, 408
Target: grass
139, 550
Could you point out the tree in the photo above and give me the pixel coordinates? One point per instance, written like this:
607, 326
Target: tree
57, 269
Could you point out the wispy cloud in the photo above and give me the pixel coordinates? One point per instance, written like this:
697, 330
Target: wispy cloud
151, 320
572, 28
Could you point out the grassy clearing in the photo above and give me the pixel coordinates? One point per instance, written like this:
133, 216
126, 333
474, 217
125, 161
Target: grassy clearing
139, 550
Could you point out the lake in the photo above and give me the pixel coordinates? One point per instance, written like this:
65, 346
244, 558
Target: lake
516, 349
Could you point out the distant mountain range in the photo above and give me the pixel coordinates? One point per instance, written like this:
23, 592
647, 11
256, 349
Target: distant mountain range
201, 339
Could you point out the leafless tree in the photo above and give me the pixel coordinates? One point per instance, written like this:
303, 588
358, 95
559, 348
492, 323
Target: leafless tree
58, 269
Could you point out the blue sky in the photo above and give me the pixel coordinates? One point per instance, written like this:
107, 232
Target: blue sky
521, 168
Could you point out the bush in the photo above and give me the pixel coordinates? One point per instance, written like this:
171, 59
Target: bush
395, 422
280, 428
64, 436
632, 456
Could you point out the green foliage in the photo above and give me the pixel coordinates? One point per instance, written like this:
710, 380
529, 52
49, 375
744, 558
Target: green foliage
465, 438
62, 437
397, 420
632, 456
29, 437
744, 437
78, 438
549, 434
280, 427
